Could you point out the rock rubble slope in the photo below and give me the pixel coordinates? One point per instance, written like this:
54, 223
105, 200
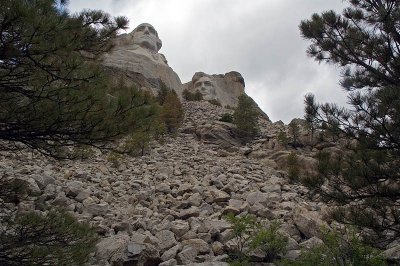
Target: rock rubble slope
167, 207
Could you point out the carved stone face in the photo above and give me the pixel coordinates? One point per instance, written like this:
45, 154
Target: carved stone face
147, 37
206, 88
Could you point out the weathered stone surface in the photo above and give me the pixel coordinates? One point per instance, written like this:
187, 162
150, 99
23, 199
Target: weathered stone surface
82, 195
209, 263
257, 197
61, 200
224, 88
163, 187
219, 196
136, 56
112, 248
311, 243
292, 255
392, 254
217, 248
187, 256
191, 212
217, 225
171, 262
198, 244
167, 239
43, 180
195, 199
171, 253
135, 249
179, 227
308, 223
74, 188
31, 186
97, 209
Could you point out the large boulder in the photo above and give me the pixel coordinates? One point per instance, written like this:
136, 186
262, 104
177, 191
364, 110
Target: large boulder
219, 133
309, 223
392, 254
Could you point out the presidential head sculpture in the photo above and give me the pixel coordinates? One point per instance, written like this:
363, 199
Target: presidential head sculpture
203, 83
146, 37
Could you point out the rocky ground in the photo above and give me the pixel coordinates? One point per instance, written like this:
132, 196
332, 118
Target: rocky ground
167, 207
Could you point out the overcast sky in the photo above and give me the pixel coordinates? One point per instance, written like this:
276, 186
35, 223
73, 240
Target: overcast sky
258, 38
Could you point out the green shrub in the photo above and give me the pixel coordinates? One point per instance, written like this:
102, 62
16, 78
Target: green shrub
250, 235
270, 241
337, 251
226, 117
215, 102
282, 138
172, 113
137, 143
246, 117
242, 227
293, 167
82, 152
115, 159
190, 96
53, 239
294, 131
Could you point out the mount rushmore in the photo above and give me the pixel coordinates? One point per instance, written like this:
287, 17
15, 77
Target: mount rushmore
137, 60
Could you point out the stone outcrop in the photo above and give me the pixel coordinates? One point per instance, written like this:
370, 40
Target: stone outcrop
136, 60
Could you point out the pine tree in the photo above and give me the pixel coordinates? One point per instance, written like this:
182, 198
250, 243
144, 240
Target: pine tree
294, 130
53, 239
53, 92
364, 180
246, 117
172, 112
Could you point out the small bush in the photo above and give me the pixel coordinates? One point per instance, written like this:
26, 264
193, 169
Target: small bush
226, 117
293, 167
270, 241
190, 96
337, 251
137, 143
215, 102
246, 118
251, 235
172, 113
282, 138
294, 131
115, 159
82, 152
242, 227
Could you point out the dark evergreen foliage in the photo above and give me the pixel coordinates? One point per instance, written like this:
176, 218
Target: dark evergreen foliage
53, 239
53, 93
226, 117
189, 96
246, 117
172, 112
365, 42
